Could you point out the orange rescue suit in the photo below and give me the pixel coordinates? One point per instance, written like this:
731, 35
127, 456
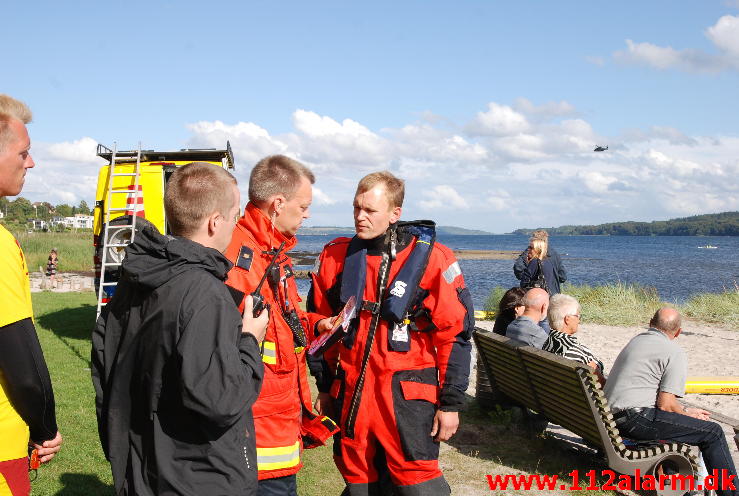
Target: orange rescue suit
283, 417
402, 389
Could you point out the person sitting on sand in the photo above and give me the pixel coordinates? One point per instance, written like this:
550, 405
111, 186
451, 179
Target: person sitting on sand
525, 328
509, 307
647, 378
564, 319
524, 258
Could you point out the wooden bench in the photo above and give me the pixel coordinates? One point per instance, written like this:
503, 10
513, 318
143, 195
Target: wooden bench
569, 394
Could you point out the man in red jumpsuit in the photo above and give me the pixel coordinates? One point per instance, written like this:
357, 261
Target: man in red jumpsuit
397, 378
280, 194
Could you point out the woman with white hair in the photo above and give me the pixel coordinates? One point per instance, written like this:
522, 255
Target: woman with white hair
564, 319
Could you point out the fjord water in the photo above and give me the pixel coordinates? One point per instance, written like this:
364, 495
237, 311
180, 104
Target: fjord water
676, 266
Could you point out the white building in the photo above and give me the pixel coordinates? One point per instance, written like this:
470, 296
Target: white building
39, 225
79, 221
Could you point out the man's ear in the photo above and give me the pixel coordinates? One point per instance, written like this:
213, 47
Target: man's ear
213, 222
395, 214
277, 203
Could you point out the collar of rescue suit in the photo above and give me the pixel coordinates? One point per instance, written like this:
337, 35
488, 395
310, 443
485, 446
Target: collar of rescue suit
376, 246
264, 233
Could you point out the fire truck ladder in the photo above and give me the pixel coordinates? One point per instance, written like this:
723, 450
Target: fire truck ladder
112, 249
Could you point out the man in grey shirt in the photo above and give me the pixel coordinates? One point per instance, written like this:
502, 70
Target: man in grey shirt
647, 378
526, 328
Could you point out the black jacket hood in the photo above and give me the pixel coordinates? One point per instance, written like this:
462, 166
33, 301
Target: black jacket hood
153, 259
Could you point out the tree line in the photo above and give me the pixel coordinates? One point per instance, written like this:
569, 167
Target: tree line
721, 224
19, 212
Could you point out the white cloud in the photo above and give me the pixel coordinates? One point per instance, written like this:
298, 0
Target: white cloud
81, 150
595, 60
724, 35
547, 110
498, 120
443, 196
545, 175
321, 198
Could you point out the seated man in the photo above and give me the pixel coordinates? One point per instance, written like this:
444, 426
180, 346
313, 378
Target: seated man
647, 378
564, 318
526, 328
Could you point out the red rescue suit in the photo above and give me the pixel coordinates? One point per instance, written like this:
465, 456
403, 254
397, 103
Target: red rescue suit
283, 417
402, 390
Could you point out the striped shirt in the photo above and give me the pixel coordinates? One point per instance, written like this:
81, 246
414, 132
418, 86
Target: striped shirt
568, 346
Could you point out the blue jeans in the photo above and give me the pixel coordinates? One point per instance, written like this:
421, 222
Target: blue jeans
279, 486
652, 424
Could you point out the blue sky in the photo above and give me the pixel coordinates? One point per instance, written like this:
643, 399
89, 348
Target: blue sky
489, 110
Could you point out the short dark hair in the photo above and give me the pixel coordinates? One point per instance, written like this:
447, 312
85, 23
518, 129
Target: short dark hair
195, 191
274, 175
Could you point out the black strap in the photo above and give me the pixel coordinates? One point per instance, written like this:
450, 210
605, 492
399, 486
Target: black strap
382, 276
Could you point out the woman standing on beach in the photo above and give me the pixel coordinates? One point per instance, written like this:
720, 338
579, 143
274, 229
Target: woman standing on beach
540, 266
51, 266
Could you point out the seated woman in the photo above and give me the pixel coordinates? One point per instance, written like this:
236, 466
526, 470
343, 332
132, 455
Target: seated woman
540, 266
564, 319
509, 307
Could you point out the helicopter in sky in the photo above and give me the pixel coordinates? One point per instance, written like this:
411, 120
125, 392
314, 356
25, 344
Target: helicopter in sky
599, 148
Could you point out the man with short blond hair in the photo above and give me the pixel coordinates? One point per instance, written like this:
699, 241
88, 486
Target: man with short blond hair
27, 409
397, 379
176, 369
642, 390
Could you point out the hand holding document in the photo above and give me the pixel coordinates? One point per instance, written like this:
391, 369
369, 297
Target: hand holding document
339, 325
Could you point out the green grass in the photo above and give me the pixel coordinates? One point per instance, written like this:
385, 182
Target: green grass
74, 249
631, 304
615, 304
64, 321
721, 308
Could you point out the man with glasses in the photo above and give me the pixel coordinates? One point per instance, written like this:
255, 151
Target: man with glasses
280, 195
564, 319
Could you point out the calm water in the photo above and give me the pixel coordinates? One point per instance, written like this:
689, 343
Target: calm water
674, 265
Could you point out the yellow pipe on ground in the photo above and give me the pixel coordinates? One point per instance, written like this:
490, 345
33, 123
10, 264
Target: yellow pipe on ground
712, 385
484, 315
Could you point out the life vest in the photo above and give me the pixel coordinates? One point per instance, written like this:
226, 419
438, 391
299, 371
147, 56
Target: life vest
403, 292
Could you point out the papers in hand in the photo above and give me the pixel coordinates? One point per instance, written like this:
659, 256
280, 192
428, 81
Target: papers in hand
338, 328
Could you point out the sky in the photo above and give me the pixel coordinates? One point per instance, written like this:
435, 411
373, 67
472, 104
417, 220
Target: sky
490, 110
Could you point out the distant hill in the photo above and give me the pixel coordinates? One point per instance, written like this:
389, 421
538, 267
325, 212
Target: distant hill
349, 231
722, 224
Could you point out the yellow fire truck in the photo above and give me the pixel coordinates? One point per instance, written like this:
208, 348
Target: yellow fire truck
130, 196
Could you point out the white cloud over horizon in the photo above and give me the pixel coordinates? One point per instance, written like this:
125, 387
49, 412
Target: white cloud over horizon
508, 166
724, 35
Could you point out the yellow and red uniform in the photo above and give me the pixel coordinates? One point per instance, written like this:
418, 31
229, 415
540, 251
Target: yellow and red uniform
415, 366
15, 305
283, 412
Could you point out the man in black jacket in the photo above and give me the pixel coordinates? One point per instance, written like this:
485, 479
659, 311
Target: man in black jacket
175, 367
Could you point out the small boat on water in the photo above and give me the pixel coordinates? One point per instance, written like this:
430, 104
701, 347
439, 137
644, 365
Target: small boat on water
708, 247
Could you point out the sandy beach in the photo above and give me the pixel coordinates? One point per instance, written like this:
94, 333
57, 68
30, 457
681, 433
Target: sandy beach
712, 351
